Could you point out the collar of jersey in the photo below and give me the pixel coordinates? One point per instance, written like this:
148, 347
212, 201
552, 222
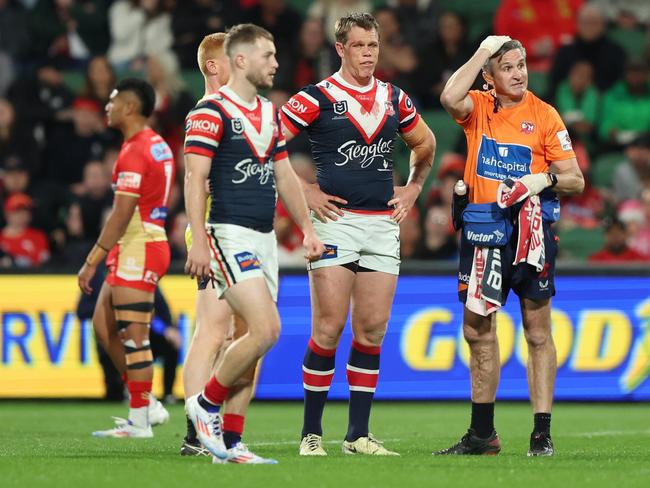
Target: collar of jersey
360, 89
230, 94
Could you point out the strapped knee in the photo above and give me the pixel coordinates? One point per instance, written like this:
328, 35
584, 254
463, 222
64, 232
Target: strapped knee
138, 357
128, 313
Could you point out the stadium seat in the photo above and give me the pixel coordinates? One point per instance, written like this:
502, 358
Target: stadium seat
602, 169
579, 243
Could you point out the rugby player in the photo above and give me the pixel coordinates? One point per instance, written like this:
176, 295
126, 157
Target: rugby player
214, 317
135, 241
352, 119
243, 153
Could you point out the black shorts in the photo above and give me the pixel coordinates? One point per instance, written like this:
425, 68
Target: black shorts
521, 278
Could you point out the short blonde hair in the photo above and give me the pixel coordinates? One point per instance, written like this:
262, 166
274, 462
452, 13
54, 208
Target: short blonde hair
211, 47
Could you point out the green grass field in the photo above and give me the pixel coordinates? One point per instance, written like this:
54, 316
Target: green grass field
49, 444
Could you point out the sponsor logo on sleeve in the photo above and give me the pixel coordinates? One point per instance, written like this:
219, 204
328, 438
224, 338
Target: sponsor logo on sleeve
161, 152
247, 261
158, 213
408, 102
297, 106
129, 180
565, 140
205, 125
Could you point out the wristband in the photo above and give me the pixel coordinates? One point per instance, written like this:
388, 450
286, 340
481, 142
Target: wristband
96, 255
553, 178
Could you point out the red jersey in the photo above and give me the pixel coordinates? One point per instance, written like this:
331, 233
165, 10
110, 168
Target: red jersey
510, 143
145, 169
30, 248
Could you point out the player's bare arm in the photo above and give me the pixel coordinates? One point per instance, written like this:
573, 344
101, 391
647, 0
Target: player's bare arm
321, 203
569, 177
197, 168
287, 183
116, 224
422, 143
454, 97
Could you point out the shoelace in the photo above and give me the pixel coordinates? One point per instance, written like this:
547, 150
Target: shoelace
376, 443
312, 442
216, 425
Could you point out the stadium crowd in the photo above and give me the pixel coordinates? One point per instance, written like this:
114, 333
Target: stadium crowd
589, 58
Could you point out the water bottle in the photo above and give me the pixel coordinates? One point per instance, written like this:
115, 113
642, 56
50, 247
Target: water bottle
459, 202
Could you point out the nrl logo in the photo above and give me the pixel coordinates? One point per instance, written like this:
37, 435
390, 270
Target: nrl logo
340, 107
237, 126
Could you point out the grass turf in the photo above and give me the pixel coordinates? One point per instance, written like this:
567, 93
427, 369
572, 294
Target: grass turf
49, 444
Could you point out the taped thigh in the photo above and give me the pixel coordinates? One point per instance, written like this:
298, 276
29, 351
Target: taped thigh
140, 312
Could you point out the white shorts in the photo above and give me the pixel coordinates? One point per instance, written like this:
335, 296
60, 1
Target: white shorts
370, 239
238, 254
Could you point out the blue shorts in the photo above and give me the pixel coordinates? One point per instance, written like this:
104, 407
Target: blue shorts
521, 278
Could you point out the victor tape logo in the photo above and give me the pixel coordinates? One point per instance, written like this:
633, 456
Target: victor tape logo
247, 261
498, 161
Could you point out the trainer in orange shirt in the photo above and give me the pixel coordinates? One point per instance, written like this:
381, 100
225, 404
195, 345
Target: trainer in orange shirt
519, 150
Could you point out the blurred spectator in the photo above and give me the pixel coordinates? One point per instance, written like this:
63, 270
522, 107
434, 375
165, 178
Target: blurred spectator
42, 101
636, 215
15, 143
620, 11
100, 81
452, 168
584, 210
192, 20
410, 235
26, 246
139, 28
307, 62
626, 106
69, 30
634, 172
440, 239
542, 26
577, 100
590, 44
279, 18
615, 248
329, 11
288, 234
419, 18
94, 196
397, 58
176, 237
14, 40
173, 102
70, 146
439, 59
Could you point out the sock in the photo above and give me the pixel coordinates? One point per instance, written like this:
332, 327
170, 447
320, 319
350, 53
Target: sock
213, 395
233, 428
542, 423
190, 436
139, 392
362, 372
317, 374
483, 419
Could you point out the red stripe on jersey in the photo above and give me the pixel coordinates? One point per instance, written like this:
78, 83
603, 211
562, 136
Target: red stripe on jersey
317, 379
366, 99
262, 157
288, 123
362, 379
411, 124
279, 156
198, 150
